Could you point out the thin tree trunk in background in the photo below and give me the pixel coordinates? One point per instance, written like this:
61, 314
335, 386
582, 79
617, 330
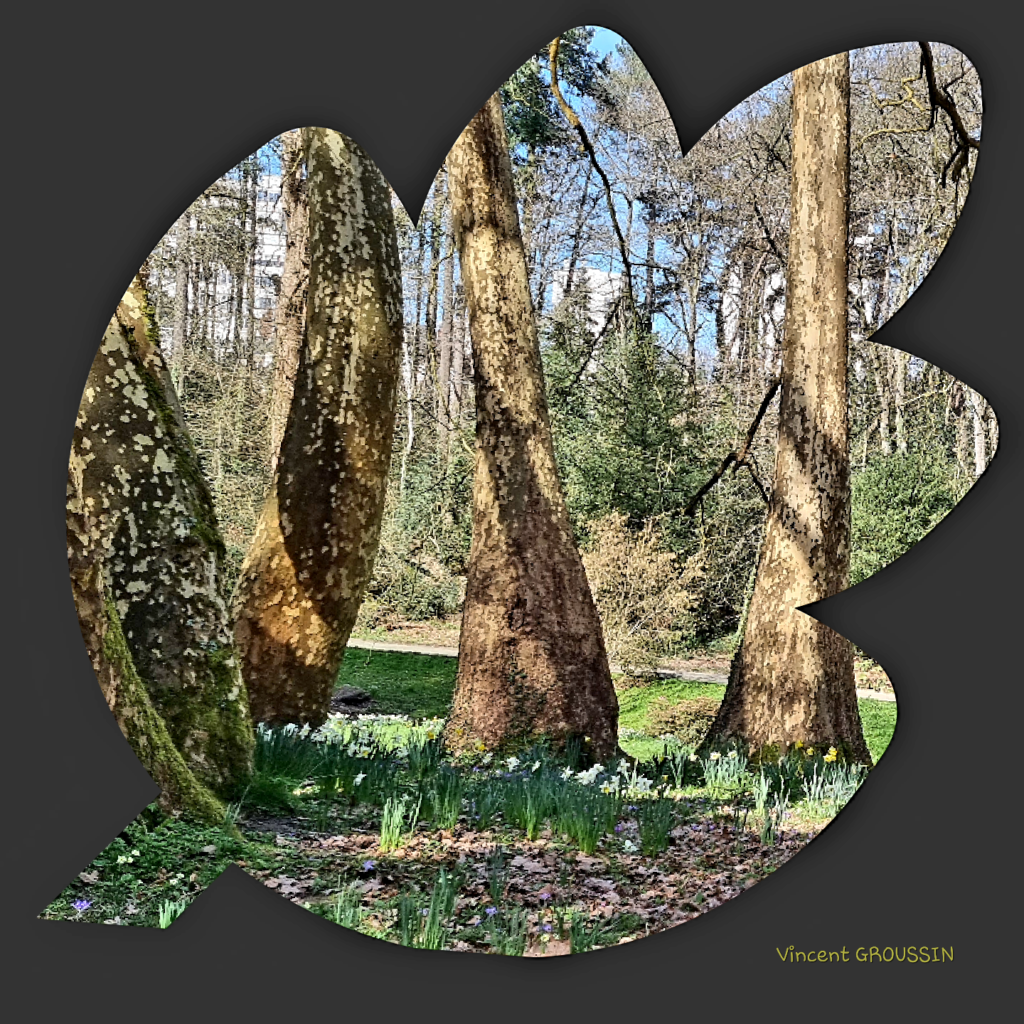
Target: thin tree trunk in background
532, 659
792, 678
304, 574
978, 418
140, 477
460, 345
898, 363
181, 261
882, 392
290, 315
250, 326
445, 344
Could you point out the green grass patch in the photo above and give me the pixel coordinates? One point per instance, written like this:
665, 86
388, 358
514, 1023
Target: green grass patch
878, 718
421, 686
417, 685
635, 703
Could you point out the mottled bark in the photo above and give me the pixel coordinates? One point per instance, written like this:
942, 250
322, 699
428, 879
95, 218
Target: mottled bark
138, 476
532, 659
312, 556
180, 791
792, 678
290, 315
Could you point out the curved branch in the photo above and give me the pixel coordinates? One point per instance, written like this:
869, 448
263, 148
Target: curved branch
573, 119
737, 459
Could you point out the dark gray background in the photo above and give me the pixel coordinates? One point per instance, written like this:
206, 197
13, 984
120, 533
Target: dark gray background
116, 120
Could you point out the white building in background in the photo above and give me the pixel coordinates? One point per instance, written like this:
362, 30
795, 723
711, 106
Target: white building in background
605, 287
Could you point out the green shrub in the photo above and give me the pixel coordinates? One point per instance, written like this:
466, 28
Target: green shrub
688, 720
896, 500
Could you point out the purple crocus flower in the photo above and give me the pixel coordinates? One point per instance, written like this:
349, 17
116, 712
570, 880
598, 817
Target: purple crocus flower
545, 895
547, 927
81, 905
367, 865
619, 827
491, 911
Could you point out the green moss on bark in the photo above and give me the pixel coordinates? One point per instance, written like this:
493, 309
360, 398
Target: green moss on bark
181, 793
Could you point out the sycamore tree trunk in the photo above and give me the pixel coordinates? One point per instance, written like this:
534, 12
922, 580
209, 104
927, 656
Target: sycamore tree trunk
180, 791
290, 315
138, 479
314, 548
532, 659
792, 678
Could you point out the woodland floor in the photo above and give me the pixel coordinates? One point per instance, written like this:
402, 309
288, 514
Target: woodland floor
323, 853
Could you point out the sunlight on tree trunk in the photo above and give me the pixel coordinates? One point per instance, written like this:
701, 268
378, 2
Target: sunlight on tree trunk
532, 659
792, 679
314, 549
139, 480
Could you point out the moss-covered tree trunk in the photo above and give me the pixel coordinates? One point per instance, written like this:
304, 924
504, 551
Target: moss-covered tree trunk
180, 791
532, 659
290, 316
139, 479
792, 678
313, 553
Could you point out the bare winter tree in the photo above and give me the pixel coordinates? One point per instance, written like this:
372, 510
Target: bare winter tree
314, 549
532, 659
792, 678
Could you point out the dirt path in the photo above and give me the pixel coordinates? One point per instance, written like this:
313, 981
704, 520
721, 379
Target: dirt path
696, 670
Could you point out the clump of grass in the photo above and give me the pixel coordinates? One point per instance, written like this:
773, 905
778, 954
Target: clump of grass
347, 909
486, 802
506, 931
397, 819
170, 911
655, 819
586, 934
443, 797
429, 927
725, 776
497, 873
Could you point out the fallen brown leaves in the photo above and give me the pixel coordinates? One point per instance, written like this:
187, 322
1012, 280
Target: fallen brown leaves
707, 864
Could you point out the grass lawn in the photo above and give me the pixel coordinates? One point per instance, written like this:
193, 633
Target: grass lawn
421, 686
417, 685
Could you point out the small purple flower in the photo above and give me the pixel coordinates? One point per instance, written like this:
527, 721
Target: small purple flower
619, 827
545, 896
631, 807
491, 911
81, 905
367, 865
547, 928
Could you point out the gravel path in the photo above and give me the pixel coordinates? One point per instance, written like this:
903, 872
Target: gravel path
679, 669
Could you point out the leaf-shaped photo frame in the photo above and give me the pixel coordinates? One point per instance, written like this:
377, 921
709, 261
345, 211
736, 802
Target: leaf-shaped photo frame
647, 297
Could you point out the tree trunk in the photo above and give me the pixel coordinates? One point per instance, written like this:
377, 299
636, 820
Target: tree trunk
445, 342
532, 659
140, 478
180, 791
792, 678
313, 552
290, 314
978, 419
181, 242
